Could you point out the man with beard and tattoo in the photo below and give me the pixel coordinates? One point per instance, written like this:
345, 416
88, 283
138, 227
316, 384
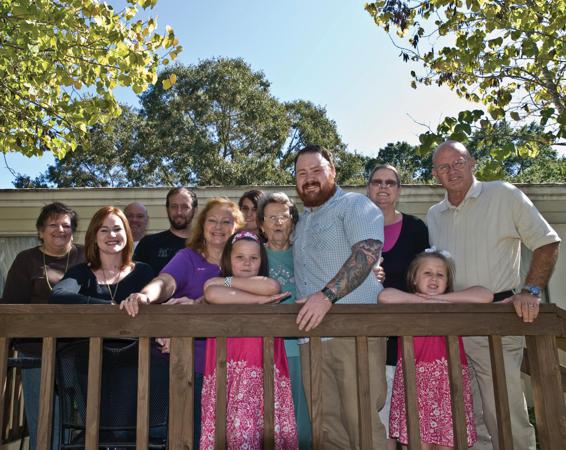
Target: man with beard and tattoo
158, 249
338, 240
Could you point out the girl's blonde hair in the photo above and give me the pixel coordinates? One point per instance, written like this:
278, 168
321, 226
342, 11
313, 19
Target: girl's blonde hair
430, 253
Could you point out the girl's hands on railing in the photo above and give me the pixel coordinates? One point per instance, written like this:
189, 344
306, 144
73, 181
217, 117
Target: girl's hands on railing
185, 301
165, 344
274, 298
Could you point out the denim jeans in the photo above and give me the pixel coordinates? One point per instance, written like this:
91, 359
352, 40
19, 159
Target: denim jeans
31, 379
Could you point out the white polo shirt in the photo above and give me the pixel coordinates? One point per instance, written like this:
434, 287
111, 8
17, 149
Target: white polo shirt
484, 234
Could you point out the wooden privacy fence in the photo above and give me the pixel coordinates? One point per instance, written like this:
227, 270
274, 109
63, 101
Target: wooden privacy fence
183, 323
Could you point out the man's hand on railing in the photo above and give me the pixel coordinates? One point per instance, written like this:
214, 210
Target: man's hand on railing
315, 308
526, 305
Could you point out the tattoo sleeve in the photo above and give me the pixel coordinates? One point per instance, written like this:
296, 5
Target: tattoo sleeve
357, 267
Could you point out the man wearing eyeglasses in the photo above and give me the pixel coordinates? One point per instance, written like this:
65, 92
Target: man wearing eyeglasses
482, 225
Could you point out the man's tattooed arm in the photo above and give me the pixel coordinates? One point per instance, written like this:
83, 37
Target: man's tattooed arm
356, 268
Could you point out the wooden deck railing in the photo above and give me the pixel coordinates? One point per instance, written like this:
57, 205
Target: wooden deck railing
183, 323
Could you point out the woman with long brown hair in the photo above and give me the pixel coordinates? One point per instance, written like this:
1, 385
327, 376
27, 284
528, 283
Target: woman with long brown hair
109, 274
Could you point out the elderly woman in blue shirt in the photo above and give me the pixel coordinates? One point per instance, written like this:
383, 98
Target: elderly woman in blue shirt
277, 216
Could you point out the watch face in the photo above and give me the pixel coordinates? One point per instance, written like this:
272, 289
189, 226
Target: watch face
533, 290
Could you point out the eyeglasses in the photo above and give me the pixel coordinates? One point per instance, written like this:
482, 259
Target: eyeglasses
284, 218
376, 182
456, 165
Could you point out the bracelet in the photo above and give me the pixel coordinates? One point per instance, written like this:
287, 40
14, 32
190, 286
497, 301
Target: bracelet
228, 281
329, 294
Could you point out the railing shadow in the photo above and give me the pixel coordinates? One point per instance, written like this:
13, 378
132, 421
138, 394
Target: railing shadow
183, 323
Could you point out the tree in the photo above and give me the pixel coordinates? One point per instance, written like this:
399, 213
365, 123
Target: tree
311, 125
219, 122
547, 167
60, 61
218, 125
115, 163
412, 167
510, 56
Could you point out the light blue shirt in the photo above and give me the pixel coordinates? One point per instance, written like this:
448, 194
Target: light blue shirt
324, 238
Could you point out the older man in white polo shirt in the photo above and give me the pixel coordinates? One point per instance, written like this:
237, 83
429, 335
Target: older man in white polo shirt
483, 226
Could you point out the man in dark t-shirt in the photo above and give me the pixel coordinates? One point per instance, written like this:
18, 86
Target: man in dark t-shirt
158, 249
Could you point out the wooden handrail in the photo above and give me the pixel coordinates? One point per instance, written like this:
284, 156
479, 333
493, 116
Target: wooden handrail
183, 323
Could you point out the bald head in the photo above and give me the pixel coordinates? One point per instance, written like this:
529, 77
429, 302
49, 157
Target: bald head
138, 218
453, 146
453, 167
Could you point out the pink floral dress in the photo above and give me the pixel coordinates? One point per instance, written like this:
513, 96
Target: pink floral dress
433, 394
244, 392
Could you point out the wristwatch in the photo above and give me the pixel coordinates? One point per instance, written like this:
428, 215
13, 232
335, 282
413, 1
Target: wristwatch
329, 294
532, 289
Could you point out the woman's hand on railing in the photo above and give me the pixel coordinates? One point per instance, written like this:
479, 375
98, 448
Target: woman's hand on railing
131, 303
378, 271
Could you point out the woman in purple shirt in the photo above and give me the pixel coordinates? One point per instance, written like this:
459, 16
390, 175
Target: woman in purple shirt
182, 279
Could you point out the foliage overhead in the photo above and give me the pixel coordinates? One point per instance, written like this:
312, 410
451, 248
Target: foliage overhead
217, 125
61, 60
547, 167
509, 56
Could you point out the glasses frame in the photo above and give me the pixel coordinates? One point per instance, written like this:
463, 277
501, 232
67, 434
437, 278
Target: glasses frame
388, 184
459, 164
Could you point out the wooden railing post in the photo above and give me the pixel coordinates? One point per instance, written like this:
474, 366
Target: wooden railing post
550, 411
500, 393
221, 383
181, 394
93, 393
410, 381
142, 423
315, 347
45, 420
457, 393
268, 391
364, 397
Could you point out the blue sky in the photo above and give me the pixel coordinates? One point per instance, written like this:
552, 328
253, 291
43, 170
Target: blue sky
325, 51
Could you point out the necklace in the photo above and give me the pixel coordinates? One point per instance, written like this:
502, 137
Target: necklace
116, 283
45, 268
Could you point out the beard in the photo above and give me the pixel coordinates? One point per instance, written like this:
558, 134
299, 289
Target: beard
316, 198
180, 222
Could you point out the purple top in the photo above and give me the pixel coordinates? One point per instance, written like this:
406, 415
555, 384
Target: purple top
190, 271
391, 234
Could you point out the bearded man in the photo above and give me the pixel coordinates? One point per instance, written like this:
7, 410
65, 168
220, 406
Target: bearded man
338, 240
158, 249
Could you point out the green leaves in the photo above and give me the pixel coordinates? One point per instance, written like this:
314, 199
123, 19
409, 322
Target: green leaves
510, 56
60, 63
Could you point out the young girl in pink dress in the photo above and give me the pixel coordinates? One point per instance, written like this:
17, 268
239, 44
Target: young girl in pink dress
244, 280
430, 278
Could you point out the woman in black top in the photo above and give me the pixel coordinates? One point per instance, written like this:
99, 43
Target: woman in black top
405, 236
109, 275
